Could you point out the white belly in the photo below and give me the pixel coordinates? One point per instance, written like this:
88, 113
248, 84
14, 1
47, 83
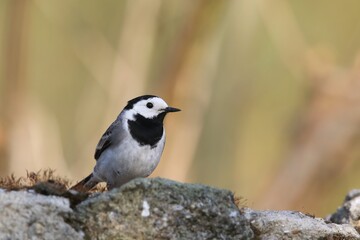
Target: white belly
128, 160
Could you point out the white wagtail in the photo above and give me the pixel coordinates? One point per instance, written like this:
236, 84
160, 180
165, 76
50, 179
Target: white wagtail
132, 146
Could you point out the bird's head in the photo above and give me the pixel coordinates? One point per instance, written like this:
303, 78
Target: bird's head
149, 107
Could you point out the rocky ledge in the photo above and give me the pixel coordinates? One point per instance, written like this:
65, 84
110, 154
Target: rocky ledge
163, 209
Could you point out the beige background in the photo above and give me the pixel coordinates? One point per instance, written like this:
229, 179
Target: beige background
269, 91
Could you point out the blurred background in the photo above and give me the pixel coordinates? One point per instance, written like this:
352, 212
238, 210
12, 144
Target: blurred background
270, 91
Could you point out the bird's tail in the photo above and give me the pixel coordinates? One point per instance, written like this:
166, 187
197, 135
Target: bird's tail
86, 184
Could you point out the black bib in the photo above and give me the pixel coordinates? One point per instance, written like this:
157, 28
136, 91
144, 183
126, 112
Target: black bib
147, 131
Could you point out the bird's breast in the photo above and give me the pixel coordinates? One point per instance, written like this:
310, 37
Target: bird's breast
132, 158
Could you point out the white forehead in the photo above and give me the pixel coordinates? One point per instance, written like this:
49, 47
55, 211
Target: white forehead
156, 101
141, 108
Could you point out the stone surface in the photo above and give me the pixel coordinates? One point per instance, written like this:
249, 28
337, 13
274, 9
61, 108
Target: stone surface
26, 215
349, 212
295, 225
162, 209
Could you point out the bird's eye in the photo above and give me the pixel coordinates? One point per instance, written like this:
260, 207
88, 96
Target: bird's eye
149, 105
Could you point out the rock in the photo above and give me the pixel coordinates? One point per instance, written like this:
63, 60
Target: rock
295, 225
26, 215
349, 212
162, 209
156, 209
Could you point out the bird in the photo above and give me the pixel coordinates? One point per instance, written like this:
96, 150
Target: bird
132, 145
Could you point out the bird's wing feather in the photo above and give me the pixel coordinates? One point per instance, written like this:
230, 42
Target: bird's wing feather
108, 138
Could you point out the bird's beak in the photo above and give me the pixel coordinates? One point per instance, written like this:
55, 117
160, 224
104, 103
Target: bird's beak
171, 109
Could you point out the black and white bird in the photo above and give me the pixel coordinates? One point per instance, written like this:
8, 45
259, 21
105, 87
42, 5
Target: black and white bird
132, 146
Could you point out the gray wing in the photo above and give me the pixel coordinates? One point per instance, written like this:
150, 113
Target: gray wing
111, 136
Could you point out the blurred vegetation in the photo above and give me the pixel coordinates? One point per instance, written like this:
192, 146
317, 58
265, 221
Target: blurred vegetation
270, 91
